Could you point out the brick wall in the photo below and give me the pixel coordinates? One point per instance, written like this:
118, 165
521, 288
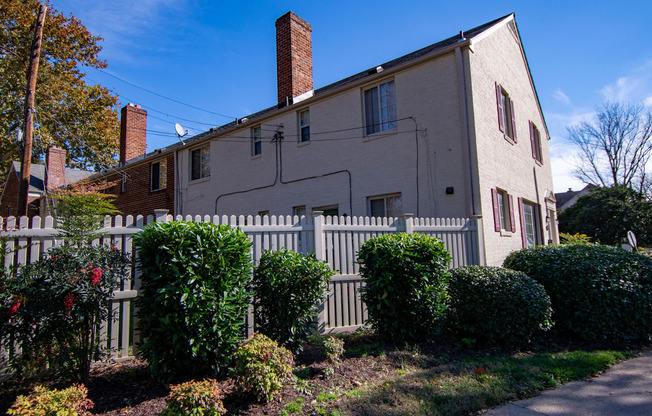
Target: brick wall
9, 199
55, 160
293, 56
137, 197
133, 127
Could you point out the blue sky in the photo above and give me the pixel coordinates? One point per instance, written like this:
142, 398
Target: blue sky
219, 56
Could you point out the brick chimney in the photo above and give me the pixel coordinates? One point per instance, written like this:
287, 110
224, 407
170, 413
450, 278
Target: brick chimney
293, 56
55, 164
133, 124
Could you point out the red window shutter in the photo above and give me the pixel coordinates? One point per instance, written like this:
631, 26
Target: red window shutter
512, 220
541, 237
494, 201
499, 104
533, 143
511, 109
538, 143
522, 220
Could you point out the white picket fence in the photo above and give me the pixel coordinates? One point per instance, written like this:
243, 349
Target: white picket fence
335, 240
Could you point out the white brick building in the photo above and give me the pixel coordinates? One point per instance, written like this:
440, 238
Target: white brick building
452, 130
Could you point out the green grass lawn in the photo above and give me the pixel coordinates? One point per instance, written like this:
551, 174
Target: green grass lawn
462, 386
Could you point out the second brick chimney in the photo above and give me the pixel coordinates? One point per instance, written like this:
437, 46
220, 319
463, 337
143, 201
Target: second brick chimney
293, 56
133, 127
55, 164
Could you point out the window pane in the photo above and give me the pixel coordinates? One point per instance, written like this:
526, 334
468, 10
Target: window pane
372, 115
377, 207
388, 105
163, 176
195, 164
299, 211
257, 147
528, 213
394, 206
156, 172
305, 134
206, 162
502, 205
305, 118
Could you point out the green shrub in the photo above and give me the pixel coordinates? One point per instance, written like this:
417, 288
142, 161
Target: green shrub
195, 398
262, 367
288, 288
497, 305
333, 348
44, 402
405, 278
576, 238
597, 292
193, 296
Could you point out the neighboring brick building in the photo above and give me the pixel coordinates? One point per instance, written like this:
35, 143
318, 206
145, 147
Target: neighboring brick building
141, 182
43, 179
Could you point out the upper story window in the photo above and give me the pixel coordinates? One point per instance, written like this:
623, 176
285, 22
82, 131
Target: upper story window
304, 126
256, 141
503, 205
158, 175
385, 206
535, 142
506, 118
380, 108
200, 163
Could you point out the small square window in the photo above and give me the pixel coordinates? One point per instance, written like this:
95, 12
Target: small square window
158, 175
299, 211
256, 141
304, 126
263, 213
380, 108
200, 163
386, 206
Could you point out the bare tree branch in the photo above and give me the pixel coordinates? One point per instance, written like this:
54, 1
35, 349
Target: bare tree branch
615, 147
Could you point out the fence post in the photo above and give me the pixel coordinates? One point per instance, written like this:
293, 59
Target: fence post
408, 223
480, 239
320, 254
161, 215
320, 245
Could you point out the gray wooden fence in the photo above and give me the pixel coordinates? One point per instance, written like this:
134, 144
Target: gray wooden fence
335, 240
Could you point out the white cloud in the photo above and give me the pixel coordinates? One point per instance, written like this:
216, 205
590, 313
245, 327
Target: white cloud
561, 96
621, 90
648, 101
635, 85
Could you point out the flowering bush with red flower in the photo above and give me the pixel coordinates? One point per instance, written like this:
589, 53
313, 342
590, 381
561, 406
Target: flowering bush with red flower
59, 303
55, 306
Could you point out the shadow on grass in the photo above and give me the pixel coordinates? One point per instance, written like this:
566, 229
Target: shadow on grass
459, 388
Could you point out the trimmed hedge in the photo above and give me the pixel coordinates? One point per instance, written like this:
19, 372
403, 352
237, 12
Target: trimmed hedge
405, 278
497, 305
288, 287
597, 292
194, 295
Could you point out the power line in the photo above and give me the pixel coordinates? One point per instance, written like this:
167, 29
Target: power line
163, 96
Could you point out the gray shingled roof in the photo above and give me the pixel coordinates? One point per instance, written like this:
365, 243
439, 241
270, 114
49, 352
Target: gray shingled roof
37, 176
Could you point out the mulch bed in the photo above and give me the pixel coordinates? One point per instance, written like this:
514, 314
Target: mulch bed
127, 387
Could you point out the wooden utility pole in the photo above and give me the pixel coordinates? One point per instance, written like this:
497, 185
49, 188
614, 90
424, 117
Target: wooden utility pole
28, 127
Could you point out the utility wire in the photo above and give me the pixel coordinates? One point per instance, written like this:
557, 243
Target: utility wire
163, 96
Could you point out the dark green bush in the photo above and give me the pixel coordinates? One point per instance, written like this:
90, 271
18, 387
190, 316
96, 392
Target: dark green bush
405, 278
42, 401
193, 295
597, 292
288, 288
195, 398
262, 367
497, 305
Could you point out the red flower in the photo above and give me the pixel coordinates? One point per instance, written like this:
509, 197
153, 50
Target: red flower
68, 302
13, 309
114, 248
96, 274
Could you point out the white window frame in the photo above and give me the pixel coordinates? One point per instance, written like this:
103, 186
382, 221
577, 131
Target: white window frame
531, 226
162, 175
304, 126
204, 162
381, 117
256, 141
386, 200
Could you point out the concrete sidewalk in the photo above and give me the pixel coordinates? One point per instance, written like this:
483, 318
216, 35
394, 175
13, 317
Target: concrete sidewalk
623, 390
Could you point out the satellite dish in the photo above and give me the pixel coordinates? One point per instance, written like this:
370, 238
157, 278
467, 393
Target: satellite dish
180, 132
